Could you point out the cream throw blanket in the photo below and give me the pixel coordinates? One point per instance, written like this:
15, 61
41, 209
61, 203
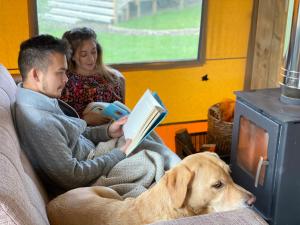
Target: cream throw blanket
133, 175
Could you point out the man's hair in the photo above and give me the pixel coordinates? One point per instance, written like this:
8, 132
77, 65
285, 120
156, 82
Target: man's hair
34, 53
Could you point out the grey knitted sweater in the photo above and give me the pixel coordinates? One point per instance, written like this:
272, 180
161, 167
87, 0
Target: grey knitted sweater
58, 145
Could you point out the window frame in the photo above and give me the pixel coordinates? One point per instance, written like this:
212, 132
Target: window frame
170, 64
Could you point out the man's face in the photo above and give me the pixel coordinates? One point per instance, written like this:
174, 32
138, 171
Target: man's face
53, 81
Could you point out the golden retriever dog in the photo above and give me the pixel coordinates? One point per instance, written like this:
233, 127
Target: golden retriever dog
199, 184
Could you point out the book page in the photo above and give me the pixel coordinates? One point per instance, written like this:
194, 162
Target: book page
141, 117
149, 123
144, 131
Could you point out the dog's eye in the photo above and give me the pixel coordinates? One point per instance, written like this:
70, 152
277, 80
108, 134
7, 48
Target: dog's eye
218, 185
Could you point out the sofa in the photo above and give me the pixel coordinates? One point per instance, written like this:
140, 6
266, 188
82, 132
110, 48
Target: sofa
23, 197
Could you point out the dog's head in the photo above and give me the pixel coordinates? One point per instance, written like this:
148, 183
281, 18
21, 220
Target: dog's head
201, 183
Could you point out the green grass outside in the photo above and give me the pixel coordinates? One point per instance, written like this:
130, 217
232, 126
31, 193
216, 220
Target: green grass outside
148, 48
188, 17
120, 48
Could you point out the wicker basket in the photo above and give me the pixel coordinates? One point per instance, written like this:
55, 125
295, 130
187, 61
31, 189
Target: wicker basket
219, 132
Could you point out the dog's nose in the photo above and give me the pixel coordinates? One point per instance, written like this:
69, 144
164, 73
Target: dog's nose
251, 200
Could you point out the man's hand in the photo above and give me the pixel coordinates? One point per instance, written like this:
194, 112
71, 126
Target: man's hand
115, 129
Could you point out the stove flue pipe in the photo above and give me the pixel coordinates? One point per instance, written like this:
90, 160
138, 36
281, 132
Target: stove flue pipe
290, 68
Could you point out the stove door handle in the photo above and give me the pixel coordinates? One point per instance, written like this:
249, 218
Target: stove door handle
260, 164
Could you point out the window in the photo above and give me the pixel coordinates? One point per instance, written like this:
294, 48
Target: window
131, 32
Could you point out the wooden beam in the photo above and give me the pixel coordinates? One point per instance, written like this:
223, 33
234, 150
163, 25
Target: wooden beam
265, 52
32, 18
251, 44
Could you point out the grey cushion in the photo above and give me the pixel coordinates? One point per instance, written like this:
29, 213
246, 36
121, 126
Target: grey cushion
237, 217
22, 198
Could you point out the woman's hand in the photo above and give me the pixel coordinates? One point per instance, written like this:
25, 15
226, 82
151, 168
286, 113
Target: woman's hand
95, 118
115, 129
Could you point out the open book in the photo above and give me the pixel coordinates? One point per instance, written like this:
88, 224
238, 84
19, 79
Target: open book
114, 110
145, 116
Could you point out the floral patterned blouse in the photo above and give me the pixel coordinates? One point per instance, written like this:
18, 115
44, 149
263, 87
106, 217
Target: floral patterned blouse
81, 90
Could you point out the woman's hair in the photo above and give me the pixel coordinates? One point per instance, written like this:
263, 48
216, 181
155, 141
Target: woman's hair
75, 38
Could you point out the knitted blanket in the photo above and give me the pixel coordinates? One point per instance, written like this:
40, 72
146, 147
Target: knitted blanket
136, 173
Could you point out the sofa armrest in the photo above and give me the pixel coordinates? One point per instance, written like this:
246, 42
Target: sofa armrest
237, 217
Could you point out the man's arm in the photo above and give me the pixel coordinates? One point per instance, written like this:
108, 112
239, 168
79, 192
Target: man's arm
106, 131
54, 152
97, 133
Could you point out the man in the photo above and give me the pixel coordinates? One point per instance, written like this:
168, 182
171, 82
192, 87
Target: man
59, 147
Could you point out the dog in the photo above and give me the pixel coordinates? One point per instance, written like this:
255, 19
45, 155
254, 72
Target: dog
199, 184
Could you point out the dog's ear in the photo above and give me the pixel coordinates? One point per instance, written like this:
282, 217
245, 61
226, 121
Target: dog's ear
178, 180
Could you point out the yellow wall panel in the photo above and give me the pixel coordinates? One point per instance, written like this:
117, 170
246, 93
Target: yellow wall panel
228, 28
185, 95
14, 28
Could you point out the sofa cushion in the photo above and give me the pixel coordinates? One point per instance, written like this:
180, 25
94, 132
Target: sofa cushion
7, 83
243, 216
22, 197
16, 205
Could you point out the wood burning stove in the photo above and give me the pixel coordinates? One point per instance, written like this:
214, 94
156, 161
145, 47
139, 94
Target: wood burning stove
265, 153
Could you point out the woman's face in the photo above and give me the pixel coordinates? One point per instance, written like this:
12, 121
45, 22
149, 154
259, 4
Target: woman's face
85, 57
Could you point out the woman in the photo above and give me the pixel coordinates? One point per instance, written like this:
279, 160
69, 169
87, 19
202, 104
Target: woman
89, 79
